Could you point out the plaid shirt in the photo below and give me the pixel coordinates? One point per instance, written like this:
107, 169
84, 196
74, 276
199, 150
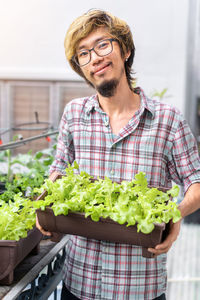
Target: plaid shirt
157, 141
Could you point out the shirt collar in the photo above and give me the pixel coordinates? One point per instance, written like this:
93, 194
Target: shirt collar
92, 103
146, 103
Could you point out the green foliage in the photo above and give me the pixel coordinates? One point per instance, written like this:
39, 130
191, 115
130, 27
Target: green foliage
32, 174
16, 218
127, 203
17, 214
160, 94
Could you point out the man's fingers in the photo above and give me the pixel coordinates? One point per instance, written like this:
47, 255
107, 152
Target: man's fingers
41, 229
167, 243
159, 250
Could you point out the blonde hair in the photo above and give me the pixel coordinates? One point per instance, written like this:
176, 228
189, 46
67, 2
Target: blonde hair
88, 22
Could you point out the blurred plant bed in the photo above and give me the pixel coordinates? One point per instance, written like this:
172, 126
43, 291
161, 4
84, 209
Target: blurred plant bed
24, 172
126, 212
18, 235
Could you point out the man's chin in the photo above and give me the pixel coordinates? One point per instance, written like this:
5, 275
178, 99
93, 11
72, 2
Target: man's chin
107, 88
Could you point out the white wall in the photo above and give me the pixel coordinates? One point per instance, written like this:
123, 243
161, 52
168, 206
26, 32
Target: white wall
32, 35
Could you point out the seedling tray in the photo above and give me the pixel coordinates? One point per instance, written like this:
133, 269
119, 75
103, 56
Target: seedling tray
104, 229
13, 252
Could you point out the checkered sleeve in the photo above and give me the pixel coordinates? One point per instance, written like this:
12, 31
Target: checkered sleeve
184, 166
65, 146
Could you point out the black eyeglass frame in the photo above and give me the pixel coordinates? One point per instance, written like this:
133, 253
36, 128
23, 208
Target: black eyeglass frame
74, 57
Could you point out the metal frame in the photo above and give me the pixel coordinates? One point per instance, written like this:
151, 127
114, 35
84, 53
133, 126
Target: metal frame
54, 90
42, 285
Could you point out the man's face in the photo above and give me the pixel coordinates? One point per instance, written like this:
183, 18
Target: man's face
105, 72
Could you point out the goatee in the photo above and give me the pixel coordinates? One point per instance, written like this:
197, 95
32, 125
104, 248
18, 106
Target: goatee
107, 88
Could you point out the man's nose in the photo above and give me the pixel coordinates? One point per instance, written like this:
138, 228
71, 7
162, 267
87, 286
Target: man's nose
95, 57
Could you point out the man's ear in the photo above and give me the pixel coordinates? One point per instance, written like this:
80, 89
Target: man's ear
127, 55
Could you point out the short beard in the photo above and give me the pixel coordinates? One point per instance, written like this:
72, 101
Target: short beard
107, 88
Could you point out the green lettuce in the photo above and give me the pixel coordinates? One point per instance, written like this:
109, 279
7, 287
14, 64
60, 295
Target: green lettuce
128, 202
16, 218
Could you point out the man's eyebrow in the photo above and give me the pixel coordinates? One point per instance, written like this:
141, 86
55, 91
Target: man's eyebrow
96, 41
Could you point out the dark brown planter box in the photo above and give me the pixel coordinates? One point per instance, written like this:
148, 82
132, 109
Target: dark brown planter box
105, 229
13, 252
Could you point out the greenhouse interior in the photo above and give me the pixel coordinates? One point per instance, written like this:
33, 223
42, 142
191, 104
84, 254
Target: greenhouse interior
102, 194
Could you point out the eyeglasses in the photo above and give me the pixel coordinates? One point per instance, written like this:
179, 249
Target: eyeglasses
101, 48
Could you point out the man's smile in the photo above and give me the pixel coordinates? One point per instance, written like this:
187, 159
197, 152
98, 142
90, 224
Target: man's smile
100, 69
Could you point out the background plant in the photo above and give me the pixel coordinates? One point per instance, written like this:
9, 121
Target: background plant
32, 169
16, 218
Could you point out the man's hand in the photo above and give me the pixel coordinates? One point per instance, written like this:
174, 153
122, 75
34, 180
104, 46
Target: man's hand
55, 175
41, 229
170, 239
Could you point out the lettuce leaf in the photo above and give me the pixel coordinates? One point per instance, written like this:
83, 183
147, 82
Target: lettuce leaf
130, 202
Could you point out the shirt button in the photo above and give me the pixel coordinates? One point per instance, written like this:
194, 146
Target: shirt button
112, 172
106, 123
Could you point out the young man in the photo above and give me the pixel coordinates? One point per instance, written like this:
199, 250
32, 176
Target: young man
117, 133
